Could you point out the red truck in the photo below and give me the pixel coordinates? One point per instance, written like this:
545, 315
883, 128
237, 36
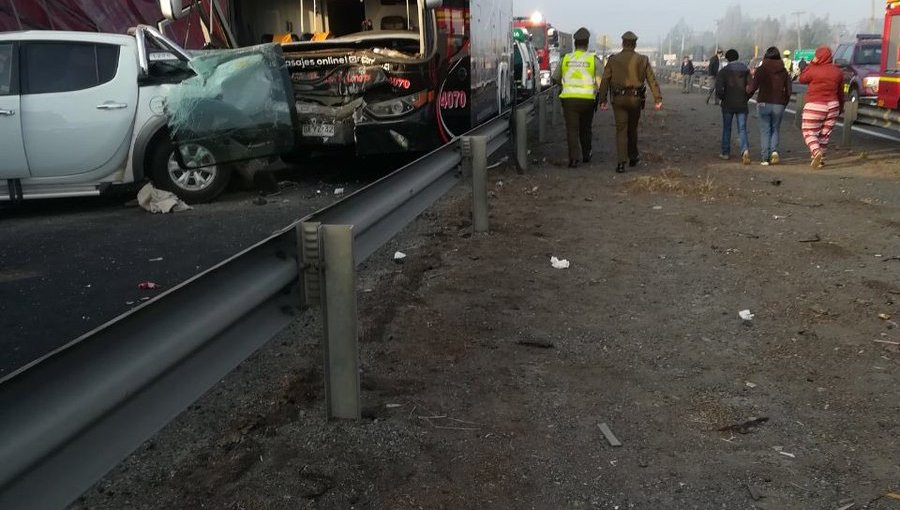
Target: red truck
889, 83
539, 29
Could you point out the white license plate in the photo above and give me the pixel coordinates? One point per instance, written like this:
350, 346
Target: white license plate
324, 130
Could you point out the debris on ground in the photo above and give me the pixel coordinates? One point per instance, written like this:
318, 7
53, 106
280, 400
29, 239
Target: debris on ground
160, 201
813, 239
755, 494
745, 427
399, 256
746, 315
559, 263
338, 191
503, 160
532, 342
781, 451
884, 316
156, 259
149, 286
608, 434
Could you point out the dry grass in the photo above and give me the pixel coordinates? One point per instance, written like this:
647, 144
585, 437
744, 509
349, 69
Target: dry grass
673, 181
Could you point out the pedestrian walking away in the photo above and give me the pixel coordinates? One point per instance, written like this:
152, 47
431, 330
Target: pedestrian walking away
824, 103
772, 81
579, 74
731, 88
687, 75
624, 80
713, 69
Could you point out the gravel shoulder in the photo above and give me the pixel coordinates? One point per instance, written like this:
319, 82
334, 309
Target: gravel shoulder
486, 372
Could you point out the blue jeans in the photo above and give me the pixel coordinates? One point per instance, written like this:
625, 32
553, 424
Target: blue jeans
742, 132
770, 116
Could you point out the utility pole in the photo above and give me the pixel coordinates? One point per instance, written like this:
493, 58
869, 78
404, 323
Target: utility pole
798, 14
718, 21
872, 19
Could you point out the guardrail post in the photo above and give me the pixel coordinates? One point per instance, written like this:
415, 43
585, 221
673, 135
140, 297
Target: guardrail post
339, 322
542, 118
521, 139
475, 161
801, 103
851, 113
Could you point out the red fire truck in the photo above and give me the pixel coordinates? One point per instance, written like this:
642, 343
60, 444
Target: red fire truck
889, 83
538, 27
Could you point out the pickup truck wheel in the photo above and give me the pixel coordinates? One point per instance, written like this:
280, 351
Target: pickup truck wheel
193, 185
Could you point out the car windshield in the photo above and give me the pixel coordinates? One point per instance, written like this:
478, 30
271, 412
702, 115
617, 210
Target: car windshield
868, 55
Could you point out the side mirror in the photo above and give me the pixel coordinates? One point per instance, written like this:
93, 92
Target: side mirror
433, 4
171, 9
842, 62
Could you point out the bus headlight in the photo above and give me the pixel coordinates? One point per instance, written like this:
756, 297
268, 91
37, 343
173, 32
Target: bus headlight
871, 83
399, 106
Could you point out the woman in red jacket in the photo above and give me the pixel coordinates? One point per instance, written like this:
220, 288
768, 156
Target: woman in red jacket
824, 103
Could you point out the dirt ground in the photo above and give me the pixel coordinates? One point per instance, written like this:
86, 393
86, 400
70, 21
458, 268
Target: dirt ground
487, 372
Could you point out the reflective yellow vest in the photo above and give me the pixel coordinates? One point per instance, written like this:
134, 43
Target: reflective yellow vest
578, 69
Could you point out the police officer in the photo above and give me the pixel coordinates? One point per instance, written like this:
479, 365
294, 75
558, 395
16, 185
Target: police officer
623, 79
579, 72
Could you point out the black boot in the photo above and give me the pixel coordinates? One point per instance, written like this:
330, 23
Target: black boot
620, 168
633, 162
587, 157
573, 163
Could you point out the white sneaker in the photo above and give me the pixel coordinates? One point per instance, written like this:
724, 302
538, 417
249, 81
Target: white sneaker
775, 159
764, 163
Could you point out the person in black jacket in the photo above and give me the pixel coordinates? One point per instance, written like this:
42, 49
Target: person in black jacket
773, 82
712, 71
731, 89
687, 75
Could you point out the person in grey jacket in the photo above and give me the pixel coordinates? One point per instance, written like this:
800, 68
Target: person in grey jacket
731, 89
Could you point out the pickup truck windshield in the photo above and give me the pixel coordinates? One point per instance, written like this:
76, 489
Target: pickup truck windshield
868, 55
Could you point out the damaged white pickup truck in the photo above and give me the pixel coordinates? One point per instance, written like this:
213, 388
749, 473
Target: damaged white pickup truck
81, 111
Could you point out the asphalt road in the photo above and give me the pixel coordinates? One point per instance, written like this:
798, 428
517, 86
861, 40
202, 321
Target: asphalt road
68, 266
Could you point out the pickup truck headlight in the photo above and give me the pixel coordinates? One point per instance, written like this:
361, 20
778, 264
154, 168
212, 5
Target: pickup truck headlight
399, 106
871, 83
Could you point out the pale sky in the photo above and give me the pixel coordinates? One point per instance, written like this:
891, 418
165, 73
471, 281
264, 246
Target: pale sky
652, 19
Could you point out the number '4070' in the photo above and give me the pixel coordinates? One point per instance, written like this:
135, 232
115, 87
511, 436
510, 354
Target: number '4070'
452, 99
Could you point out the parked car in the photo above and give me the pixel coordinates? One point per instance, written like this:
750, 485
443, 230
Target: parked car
526, 68
82, 111
861, 62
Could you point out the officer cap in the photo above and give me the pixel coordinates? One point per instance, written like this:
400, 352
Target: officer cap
582, 34
629, 36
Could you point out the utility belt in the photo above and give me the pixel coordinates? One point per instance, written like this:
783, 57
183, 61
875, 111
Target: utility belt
630, 91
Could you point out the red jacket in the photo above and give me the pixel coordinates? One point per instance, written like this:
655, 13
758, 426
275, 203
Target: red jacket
825, 80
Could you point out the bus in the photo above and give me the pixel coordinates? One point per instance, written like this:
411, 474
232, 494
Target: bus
386, 76
889, 81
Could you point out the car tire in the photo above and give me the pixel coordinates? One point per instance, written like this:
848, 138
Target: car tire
194, 186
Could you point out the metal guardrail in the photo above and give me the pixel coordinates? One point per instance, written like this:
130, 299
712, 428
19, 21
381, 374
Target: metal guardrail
71, 416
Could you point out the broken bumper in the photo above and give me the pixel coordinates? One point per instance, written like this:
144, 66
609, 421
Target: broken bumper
350, 127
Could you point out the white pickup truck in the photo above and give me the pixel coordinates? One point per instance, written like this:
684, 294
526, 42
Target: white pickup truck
82, 111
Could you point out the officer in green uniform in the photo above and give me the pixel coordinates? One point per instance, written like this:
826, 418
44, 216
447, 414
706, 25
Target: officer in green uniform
579, 73
623, 79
